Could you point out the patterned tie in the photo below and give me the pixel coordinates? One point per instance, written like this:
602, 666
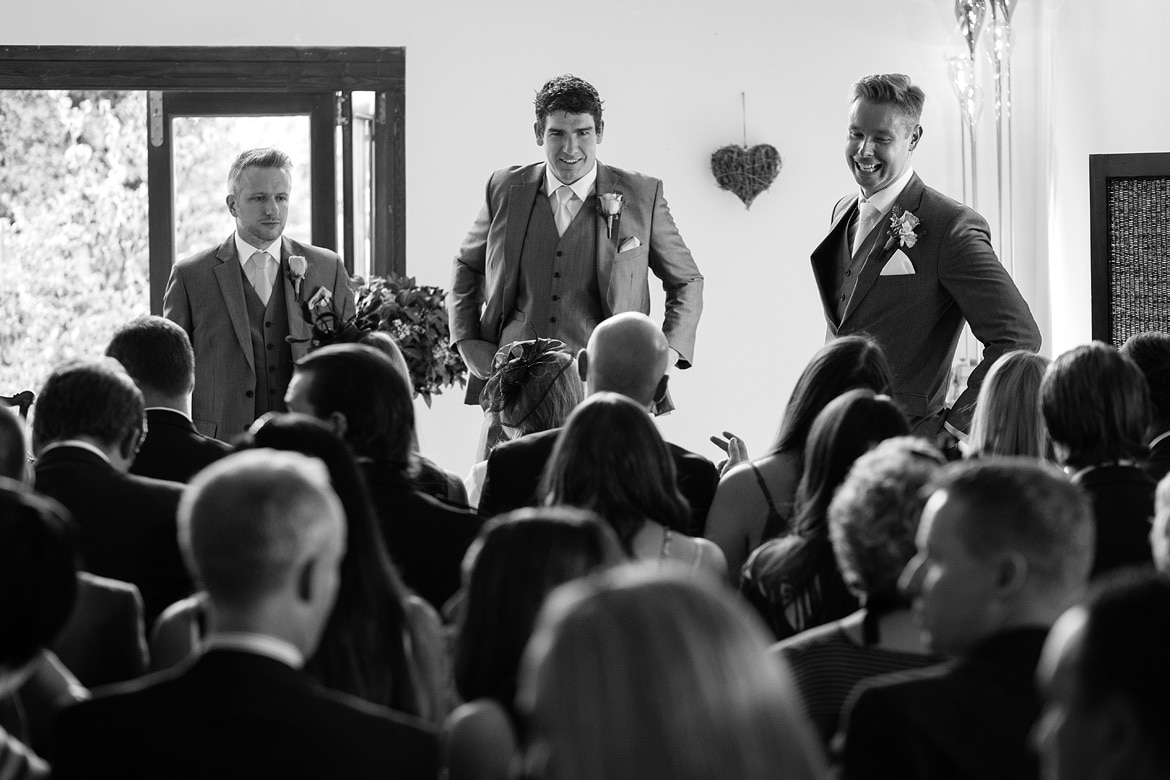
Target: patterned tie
865, 223
564, 215
257, 272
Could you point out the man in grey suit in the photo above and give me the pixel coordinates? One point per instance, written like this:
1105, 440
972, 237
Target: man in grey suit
906, 265
561, 245
245, 304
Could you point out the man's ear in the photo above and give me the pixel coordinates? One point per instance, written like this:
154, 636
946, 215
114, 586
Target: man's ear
231, 204
660, 391
307, 580
128, 444
539, 131
915, 136
582, 364
1011, 572
338, 423
600, 129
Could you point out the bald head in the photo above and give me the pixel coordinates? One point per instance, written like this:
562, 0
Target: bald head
627, 354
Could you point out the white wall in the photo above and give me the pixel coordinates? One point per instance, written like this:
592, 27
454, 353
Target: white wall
671, 73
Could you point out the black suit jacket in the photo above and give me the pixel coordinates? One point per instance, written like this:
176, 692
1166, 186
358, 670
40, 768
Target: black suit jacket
960, 720
233, 714
126, 523
105, 640
1158, 464
1123, 505
173, 449
515, 467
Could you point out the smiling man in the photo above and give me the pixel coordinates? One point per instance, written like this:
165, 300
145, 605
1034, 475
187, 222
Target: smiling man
906, 265
562, 244
238, 303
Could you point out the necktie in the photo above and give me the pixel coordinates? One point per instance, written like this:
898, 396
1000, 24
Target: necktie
869, 216
564, 215
258, 275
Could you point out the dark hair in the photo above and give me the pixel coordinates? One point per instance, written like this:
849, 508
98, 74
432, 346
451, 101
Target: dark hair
156, 353
95, 398
842, 364
569, 94
361, 383
363, 647
534, 385
1150, 351
892, 89
1097, 405
517, 560
38, 573
257, 158
610, 458
13, 450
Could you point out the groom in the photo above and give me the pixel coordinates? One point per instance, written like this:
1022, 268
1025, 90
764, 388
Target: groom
906, 265
561, 245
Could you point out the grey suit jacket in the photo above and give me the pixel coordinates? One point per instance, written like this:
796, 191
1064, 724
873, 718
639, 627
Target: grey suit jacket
205, 296
918, 318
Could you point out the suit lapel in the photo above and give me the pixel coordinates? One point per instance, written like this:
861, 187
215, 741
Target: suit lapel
606, 245
824, 257
298, 328
521, 201
231, 287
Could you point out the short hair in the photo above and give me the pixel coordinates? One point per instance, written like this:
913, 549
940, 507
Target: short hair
156, 353
1007, 419
1150, 351
873, 518
642, 672
569, 94
894, 89
361, 383
94, 398
1097, 405
533, 386
38, 573
13, 449
257, 158
1026, 506
247, 522
610, 458
385, 343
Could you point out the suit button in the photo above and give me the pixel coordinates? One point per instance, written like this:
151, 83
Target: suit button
556, 274
560, 253
272, 369
849, 273
270, 346
249, 393
552, 319
556, 297
842, 297
268, 324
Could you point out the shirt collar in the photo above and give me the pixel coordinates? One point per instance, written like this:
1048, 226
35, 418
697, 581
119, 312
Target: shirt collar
1158, 439
168, 409
260, 644
883, 200
81, 445
582, 188
244, 250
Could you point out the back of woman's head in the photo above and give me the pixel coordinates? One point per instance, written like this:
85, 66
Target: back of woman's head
843, 364
533, 386
517, 560
1007, 419
1096, 404
610, 458
848, 426
645, 673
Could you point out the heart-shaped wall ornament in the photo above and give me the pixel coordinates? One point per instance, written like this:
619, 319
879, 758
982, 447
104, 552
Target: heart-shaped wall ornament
746, 172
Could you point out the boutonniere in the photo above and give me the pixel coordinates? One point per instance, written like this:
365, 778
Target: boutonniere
297, 266
610, 205
903, 228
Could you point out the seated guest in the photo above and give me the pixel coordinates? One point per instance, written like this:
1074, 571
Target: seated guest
1160, 530
86, 431
1097, 407
1004, 547
13, 452
265, 534
794, 581
1151, 352
872, 522
157, 355
357, 392
517, 560
627, 354
642, 673
1105, 683
1007, 419
611, 459
753, 502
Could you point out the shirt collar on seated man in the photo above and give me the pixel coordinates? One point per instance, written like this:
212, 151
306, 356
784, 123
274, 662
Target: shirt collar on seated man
244, 250
260, 644
883, 200
80, 444
582, 188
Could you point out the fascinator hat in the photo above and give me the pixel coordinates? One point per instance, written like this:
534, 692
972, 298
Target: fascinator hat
524, 373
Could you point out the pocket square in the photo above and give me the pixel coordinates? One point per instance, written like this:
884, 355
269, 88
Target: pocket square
898, 265
630, 243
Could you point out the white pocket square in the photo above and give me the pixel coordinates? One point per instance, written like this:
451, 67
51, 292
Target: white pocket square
898, 265
630, 243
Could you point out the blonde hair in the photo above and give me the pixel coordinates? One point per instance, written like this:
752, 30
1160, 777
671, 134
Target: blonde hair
1008, 419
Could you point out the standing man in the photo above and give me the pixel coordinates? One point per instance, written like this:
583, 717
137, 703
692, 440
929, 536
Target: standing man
241, 302
906, 265
561, 245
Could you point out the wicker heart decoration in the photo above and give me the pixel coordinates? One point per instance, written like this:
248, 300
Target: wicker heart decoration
746, 172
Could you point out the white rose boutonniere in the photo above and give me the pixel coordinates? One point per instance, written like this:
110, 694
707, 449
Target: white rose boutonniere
610, 204
903, 225
297, 266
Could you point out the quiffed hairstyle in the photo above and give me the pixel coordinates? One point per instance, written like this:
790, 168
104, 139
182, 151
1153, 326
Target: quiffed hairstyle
1007, 419
1151, 352
892, 89
156, 353
1097, 406
257, 158
94, 398
569, 94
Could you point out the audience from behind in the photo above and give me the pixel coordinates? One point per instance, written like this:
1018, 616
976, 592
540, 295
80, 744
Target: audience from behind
381, 643
357, 392
1004, 547
517, 560
873, 519
86, 431
1105, 682
626, 354
1007, 419
793, 580
754, 501
1151, 352
157, 355
13, 450
644, 673
265, 534
1097, 407
611, 459
1160, 528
